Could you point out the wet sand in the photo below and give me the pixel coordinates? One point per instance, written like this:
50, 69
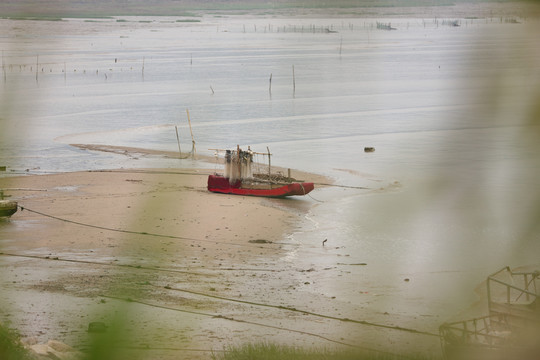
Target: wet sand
185, 269
173, 270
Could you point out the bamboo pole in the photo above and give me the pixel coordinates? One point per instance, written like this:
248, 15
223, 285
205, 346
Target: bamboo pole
238, 162
143, 67
269, 163
178, 140
293, 80
193, 150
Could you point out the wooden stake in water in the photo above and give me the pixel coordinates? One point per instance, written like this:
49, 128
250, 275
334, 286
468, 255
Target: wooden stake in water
193, 150
293, 80
143, 67
270, 86
178, 140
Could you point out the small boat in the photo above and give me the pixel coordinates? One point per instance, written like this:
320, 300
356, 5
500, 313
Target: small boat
220, 184
239, 178
7, 208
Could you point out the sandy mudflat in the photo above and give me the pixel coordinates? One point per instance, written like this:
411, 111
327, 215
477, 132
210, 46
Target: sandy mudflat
172, 270
196, 267
168, 202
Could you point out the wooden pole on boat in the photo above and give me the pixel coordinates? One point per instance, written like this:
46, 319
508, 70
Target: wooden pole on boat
269, 163
193, 151
239, 162
178, 140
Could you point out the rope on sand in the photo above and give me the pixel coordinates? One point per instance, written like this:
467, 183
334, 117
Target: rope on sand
344, 186
281, 328
143, 233
280, 307
361, 322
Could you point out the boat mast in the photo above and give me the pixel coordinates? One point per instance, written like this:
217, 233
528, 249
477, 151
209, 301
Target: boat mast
269, 163
239, 161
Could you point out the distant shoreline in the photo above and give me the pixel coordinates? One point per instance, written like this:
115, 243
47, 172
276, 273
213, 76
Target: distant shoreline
59, 9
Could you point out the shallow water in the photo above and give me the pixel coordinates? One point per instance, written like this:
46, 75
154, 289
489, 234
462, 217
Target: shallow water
451, 185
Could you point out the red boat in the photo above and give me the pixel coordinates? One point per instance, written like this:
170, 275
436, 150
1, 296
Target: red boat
220, 184
240, 180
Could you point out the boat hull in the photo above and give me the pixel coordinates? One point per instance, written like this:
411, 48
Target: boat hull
220, 184
7, 208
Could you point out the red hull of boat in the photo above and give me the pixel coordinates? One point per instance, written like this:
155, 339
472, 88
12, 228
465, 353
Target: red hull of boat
220, 184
